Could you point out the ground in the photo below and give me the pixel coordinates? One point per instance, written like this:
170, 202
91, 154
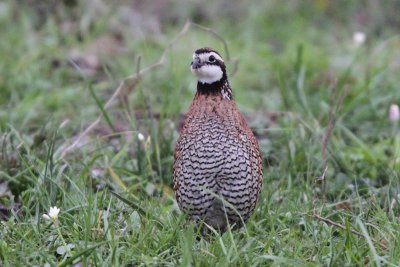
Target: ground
92, 97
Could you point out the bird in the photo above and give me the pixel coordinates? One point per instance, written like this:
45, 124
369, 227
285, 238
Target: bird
217, 169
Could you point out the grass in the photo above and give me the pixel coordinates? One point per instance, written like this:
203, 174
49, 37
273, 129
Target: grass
61, 64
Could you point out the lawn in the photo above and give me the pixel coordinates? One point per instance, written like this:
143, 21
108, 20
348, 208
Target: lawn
92, 97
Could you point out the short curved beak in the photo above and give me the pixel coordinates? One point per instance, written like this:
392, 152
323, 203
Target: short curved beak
196, 63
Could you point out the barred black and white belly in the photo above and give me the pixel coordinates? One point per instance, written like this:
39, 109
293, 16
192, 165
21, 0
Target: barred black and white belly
215, 163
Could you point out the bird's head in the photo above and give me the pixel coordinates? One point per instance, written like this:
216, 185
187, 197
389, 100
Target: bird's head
208, 66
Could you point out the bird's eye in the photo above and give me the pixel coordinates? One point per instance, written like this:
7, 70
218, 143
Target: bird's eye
211, 58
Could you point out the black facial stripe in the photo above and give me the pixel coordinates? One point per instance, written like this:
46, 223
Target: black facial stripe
215, 63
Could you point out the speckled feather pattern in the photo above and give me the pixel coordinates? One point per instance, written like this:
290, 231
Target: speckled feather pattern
217, 155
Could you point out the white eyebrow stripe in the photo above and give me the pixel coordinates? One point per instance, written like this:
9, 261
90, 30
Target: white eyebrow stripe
205, 56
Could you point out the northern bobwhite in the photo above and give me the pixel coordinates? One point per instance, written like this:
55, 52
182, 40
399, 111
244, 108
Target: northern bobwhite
218, 166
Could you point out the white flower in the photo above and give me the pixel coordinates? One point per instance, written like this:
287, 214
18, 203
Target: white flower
359, 38
61, 250
394, 112
140, 137
53, 214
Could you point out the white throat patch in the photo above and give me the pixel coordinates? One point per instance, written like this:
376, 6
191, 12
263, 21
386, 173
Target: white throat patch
207, 73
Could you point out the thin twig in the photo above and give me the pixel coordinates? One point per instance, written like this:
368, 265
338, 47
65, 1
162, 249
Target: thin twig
322, 177
233, 61
330, 222
130, 81
328, 133
219, 37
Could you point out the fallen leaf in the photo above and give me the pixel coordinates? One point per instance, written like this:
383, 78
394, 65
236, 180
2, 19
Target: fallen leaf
344, 205
384, 244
